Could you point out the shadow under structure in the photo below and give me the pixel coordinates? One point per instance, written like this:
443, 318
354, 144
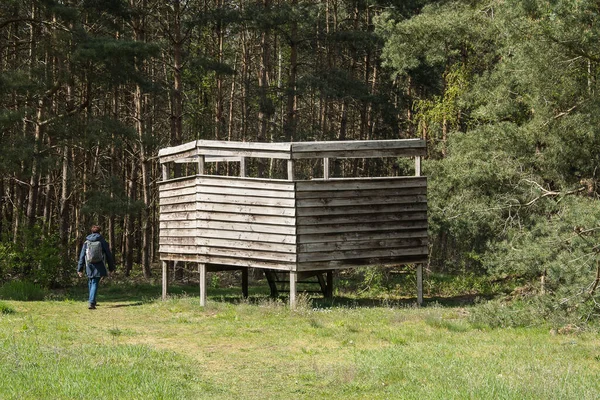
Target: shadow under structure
295, 210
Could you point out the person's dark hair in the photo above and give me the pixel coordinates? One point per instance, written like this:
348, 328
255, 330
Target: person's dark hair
96, 229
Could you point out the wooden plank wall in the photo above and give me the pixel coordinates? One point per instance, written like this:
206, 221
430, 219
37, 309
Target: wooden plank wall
229, 221
306, 225
361, 221
178, 219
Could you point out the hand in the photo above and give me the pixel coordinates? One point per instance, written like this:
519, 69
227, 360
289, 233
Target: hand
80, 274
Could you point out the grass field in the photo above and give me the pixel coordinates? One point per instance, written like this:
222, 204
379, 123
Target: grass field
135, 346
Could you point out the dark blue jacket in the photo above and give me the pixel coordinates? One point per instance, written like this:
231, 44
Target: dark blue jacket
94, 270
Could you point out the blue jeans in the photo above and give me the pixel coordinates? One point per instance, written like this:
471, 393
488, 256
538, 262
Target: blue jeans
93, 286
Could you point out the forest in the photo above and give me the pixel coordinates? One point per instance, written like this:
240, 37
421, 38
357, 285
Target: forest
505, 92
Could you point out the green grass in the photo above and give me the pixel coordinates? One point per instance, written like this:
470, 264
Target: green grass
135, 346
21, 290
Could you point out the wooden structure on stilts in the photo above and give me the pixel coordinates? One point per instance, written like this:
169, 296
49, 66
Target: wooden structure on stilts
300, 227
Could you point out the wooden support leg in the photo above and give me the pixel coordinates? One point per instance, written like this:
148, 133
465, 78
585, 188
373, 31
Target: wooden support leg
270, 275
329, 293
293, 278
165, 279
245, 282
420, 284
202, 272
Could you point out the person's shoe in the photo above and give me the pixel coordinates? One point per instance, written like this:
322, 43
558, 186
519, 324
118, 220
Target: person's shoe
92, 307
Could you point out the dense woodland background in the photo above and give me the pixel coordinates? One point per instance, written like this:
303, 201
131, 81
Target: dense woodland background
506, 93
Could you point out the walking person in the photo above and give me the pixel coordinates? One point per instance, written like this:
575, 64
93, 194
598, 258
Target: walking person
94, 254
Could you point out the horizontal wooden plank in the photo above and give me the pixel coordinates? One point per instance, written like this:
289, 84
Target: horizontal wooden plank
365, 219
343, 194
247, 254
179, 224
285, 192
179, 257
182, 232
164, 194
172, 208
228, 225
354, 236
409, 152
177, 156
361, 210
177, 216
357, 145
361, 254
171, 240
247, 235
235, 246
360, 227
177, 149
222, 152
249, 183
208, 159
345, 264
359, 184
177, 183
186, 198
366, 245
409, 197
233, 145
246, 200
246, 262
246, 209
177, 249
246, 218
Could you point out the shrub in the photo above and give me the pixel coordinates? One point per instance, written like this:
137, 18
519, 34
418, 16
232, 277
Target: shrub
6, 309
35, 258
21, 291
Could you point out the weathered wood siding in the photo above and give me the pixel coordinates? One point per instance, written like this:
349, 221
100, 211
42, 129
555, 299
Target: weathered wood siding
303, 225
246, 222
230, 221
178, 219
361, 221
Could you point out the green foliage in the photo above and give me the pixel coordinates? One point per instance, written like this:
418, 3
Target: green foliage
6, 309
36, 258
514, 192
22, 291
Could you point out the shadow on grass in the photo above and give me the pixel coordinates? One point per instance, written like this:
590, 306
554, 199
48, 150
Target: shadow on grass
139, 303
127, 294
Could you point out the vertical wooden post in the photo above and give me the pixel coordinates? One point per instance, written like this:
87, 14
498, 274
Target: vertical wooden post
420, 284
329, 284
165, 280
243, 167
201, 164
290, 168
165, 172
202, 272
293, 278
326, 168
245, 282
417, 165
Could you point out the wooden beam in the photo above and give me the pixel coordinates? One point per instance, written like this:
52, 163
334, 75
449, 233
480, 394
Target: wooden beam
245, 282
242, 167
417, 165
290, 168
420, 284
326, 168
165, 278
200, 165
202, 272
293, 279
329, 293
